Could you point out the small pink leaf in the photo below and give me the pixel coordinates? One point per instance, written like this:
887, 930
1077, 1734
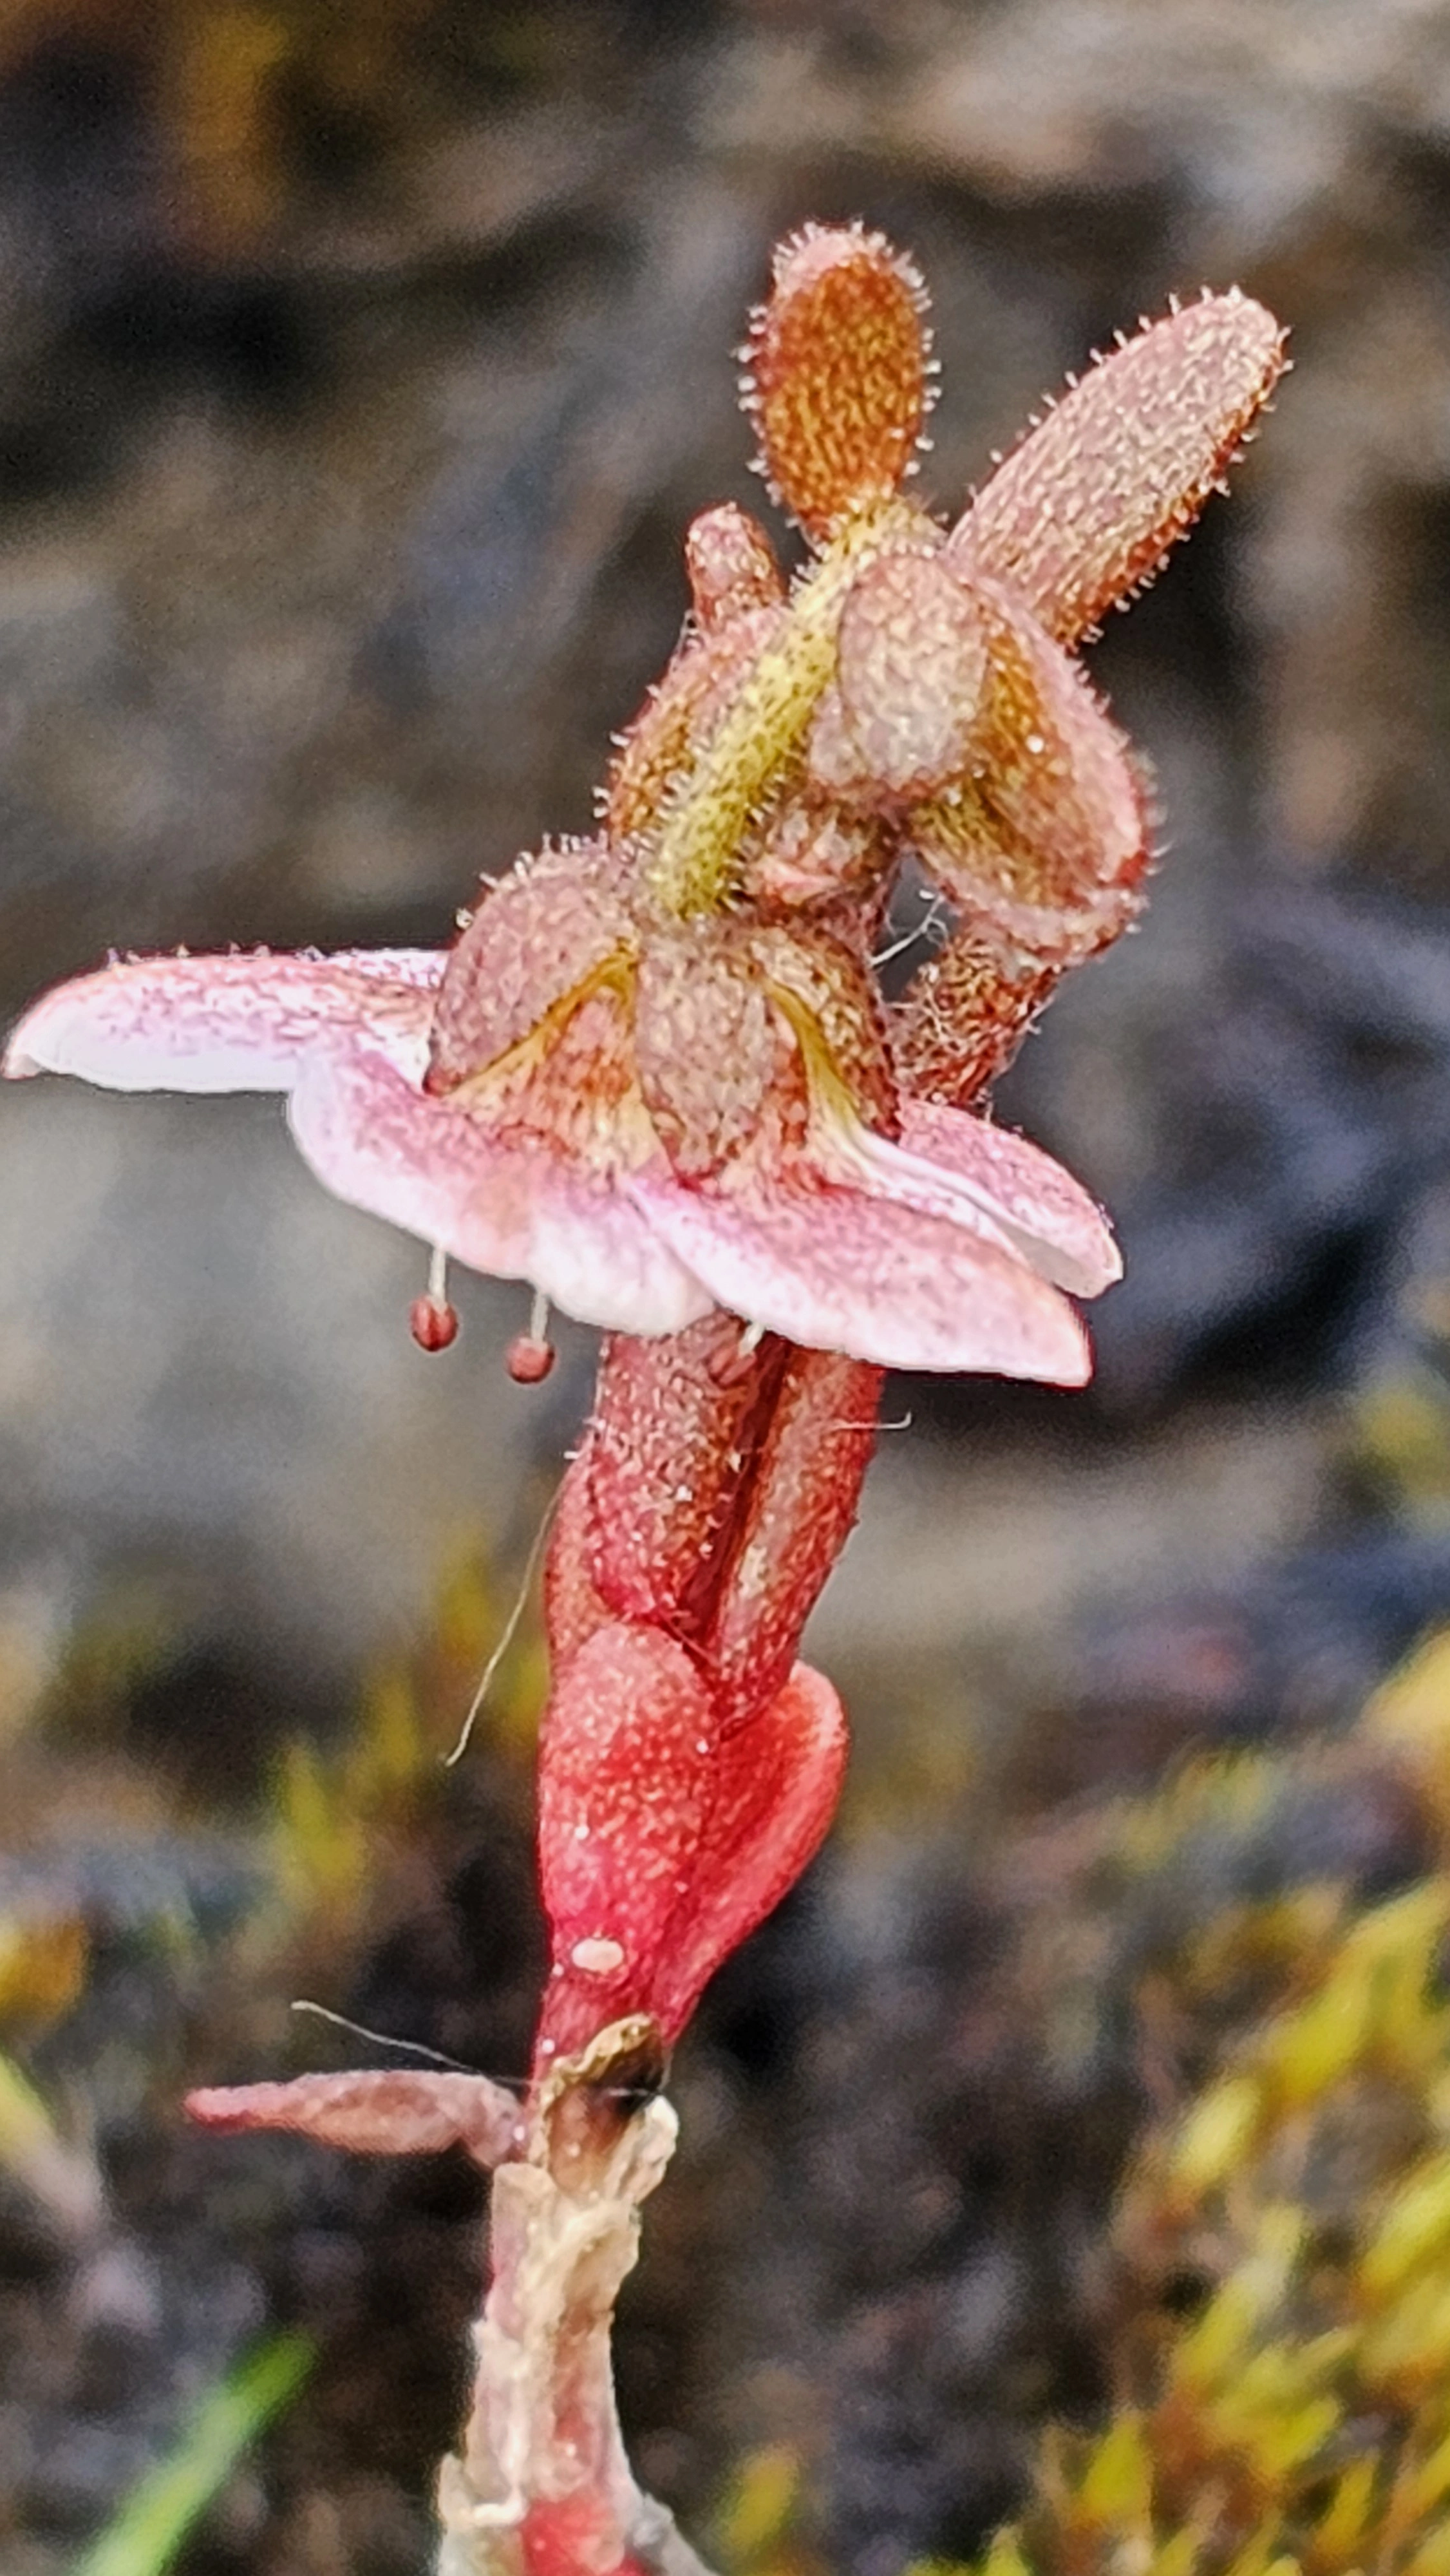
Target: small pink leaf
392, 2111
847, 1271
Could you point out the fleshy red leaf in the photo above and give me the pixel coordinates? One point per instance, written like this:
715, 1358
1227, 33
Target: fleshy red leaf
624, 1791
799, 1510
669, 1439
775, 1785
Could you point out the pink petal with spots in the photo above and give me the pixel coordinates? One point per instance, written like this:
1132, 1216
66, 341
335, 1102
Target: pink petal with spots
515, 1209
837, 1270
235, 1023
948, 1163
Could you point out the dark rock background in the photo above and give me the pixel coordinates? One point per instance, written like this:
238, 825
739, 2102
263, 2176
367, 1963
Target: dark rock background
360, 379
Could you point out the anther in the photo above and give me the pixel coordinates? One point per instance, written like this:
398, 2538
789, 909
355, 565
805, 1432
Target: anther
731, 1362
531, 1355
433, 1319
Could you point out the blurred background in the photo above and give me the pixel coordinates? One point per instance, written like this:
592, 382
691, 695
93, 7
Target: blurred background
361, 370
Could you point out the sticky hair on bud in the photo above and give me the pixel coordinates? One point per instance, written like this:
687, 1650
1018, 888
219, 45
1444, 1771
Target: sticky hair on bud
839, 360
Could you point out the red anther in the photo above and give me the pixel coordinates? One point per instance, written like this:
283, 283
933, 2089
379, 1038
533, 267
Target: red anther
529, 1360
433, 1323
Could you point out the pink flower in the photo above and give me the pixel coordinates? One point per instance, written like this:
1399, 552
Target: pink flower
645, 1127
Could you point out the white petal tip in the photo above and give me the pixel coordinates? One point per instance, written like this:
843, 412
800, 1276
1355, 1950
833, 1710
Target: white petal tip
16, 1064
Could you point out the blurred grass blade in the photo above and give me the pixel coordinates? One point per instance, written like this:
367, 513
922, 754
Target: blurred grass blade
154, 2521
64, 2179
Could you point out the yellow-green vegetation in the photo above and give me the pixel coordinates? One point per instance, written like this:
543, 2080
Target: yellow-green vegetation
148, 2532
234, 85
759, 2519
60, 2176
342, 1820
1280, 2364
337, 1844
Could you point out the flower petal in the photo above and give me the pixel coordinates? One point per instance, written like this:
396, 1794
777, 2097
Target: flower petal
233, 1023
946, 1157
837, 1270
515, 1208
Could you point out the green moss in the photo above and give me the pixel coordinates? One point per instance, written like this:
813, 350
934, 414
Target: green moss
1280, 2356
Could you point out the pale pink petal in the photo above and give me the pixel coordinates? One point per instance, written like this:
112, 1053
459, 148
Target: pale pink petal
516, 1209
947, 1158
837, 1270
233, 1023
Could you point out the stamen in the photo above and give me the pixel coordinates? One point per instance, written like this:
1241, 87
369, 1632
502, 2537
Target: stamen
531, 1355
432, 1319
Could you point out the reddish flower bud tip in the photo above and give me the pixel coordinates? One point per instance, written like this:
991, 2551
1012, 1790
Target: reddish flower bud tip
730, 565
433, 1323
529, 1360
838, 384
